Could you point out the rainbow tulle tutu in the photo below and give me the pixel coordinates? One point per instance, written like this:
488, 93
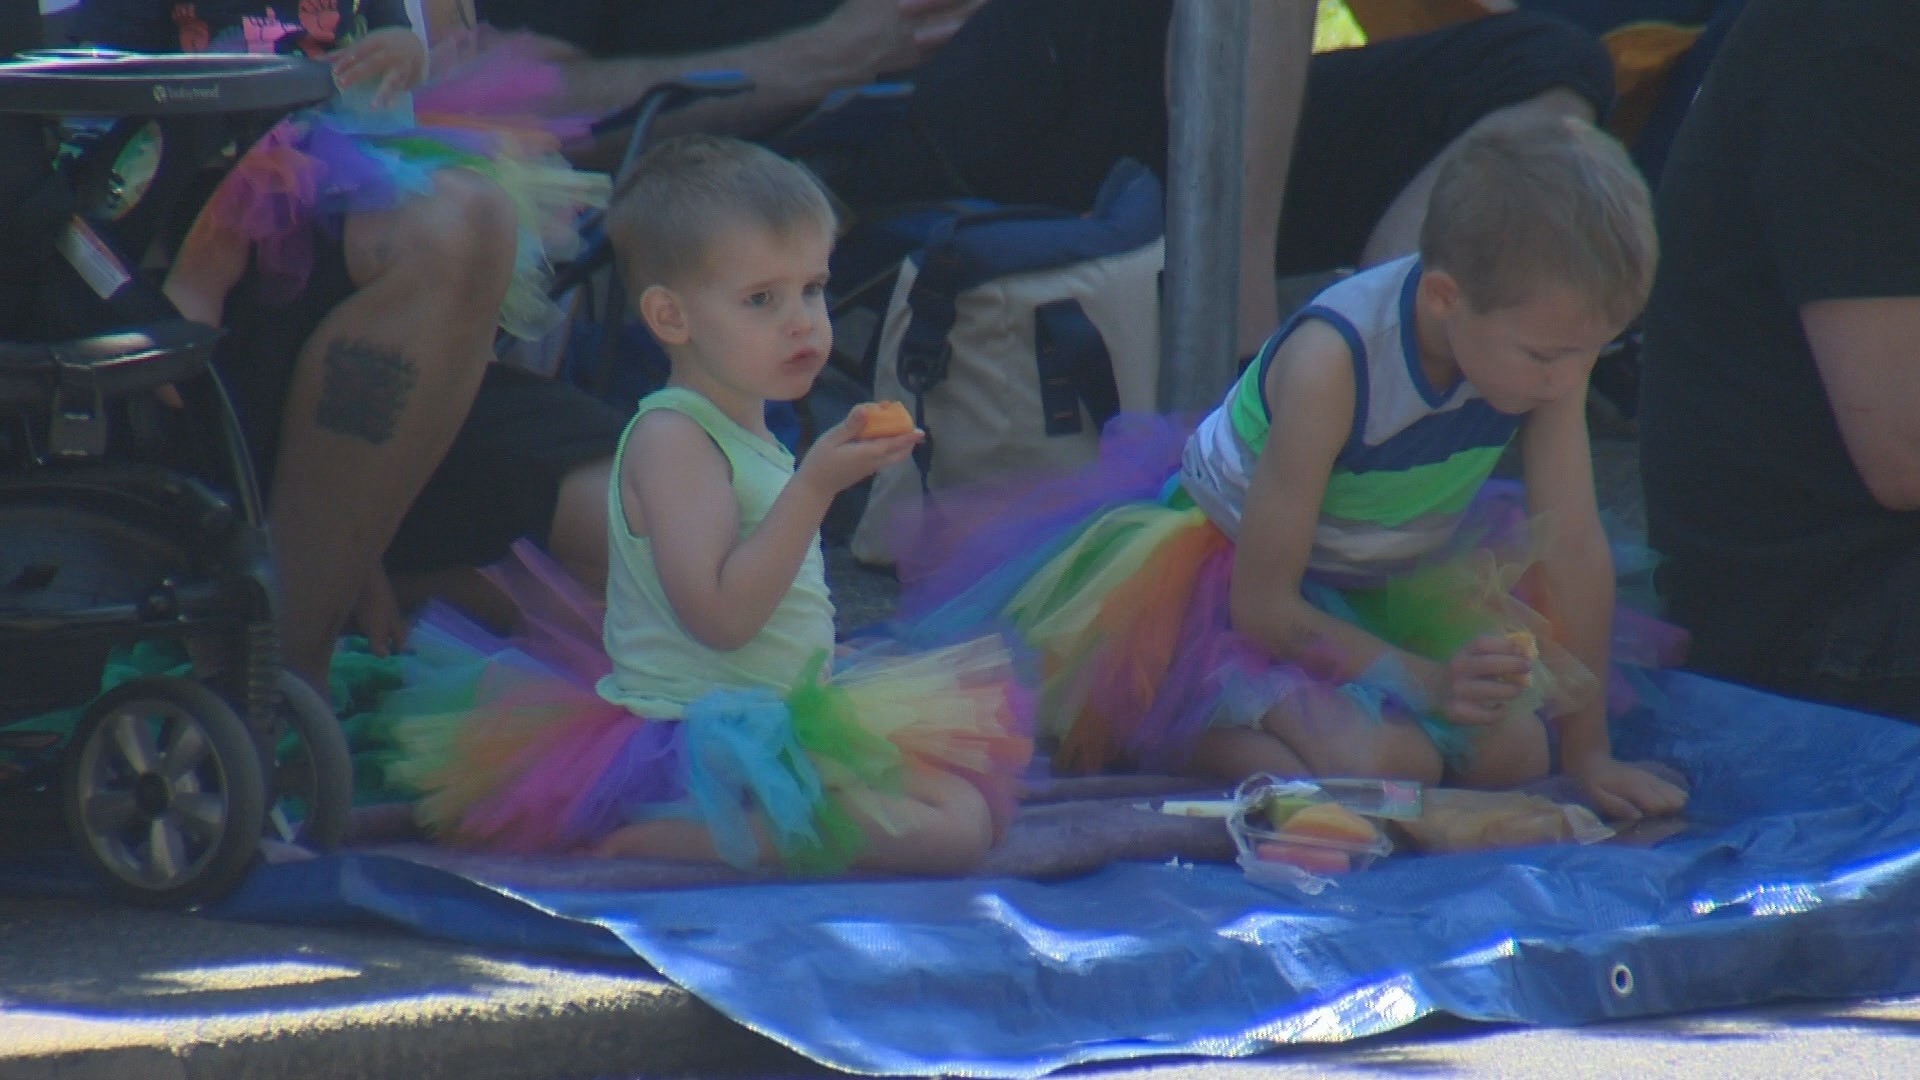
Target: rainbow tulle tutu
514, 751
321, 164
1121, 587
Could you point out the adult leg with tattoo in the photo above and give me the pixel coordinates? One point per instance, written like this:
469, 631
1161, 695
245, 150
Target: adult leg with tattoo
379, 391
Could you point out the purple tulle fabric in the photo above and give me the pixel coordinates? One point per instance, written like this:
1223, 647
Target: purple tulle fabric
944, 548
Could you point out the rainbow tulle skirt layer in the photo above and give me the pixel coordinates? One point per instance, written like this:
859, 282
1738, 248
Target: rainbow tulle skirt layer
322, 164
514, 751
1121, 587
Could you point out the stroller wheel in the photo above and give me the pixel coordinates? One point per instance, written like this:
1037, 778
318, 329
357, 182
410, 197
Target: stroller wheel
312, 781
164, 790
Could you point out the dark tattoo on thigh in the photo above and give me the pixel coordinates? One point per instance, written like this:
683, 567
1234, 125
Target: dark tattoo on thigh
363, 390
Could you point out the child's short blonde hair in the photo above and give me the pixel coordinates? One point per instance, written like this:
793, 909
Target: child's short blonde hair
1550, 201
685, 190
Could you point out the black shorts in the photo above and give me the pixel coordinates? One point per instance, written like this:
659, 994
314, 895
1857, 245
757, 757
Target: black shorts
1036, 100
1850, 636
500, 480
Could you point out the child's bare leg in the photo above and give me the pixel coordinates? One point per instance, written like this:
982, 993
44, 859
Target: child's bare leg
945, 830
674, 838
1234, 753
1335, 737
1506, 755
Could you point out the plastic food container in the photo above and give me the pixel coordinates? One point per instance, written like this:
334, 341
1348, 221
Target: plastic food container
1303, 834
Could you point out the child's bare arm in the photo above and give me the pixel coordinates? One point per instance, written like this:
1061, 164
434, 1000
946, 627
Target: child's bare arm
1576, 563
677, 491
1578, 570
1311, 386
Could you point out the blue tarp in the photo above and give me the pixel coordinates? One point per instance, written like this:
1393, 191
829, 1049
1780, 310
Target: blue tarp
1798, 876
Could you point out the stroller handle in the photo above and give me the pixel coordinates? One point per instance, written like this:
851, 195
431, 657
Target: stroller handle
94, 82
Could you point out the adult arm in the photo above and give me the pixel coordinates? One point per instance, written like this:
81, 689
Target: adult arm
791, 72
1868, 355
1838, 189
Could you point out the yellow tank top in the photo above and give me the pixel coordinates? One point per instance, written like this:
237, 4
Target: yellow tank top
658, 668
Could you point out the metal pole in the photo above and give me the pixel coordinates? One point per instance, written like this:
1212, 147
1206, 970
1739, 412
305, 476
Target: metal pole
1206, 63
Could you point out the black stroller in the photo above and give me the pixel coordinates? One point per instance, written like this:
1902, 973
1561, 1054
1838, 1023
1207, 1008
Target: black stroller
124, 522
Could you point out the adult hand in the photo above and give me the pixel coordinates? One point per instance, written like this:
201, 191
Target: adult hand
392, 59
936, 21
869, 38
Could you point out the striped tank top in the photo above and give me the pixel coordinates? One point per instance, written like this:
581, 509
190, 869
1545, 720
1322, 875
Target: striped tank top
1412, 463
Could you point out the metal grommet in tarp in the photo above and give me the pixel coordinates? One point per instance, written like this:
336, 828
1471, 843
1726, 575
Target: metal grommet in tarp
1621, 979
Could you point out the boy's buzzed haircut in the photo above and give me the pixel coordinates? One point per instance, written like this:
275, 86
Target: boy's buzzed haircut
685, 190
1553, 201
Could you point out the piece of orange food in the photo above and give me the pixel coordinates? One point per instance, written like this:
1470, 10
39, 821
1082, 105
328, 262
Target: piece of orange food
1528, 645
880, 420
1330, 822
1320, 838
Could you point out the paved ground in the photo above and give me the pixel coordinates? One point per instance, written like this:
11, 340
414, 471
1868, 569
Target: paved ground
114, 994
120, 994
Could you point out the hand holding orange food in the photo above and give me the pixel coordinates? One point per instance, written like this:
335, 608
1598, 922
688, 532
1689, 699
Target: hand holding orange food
880, 420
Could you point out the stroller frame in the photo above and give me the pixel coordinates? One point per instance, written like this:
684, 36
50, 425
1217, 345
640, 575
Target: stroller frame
168, 780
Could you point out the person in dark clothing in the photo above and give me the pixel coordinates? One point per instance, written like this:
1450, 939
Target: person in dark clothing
1780, 409
1033, 101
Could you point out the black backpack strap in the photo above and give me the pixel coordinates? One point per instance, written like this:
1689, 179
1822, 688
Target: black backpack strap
925, 353
1076, 368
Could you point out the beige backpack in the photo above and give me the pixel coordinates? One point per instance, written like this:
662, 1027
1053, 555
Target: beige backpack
1013, 335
